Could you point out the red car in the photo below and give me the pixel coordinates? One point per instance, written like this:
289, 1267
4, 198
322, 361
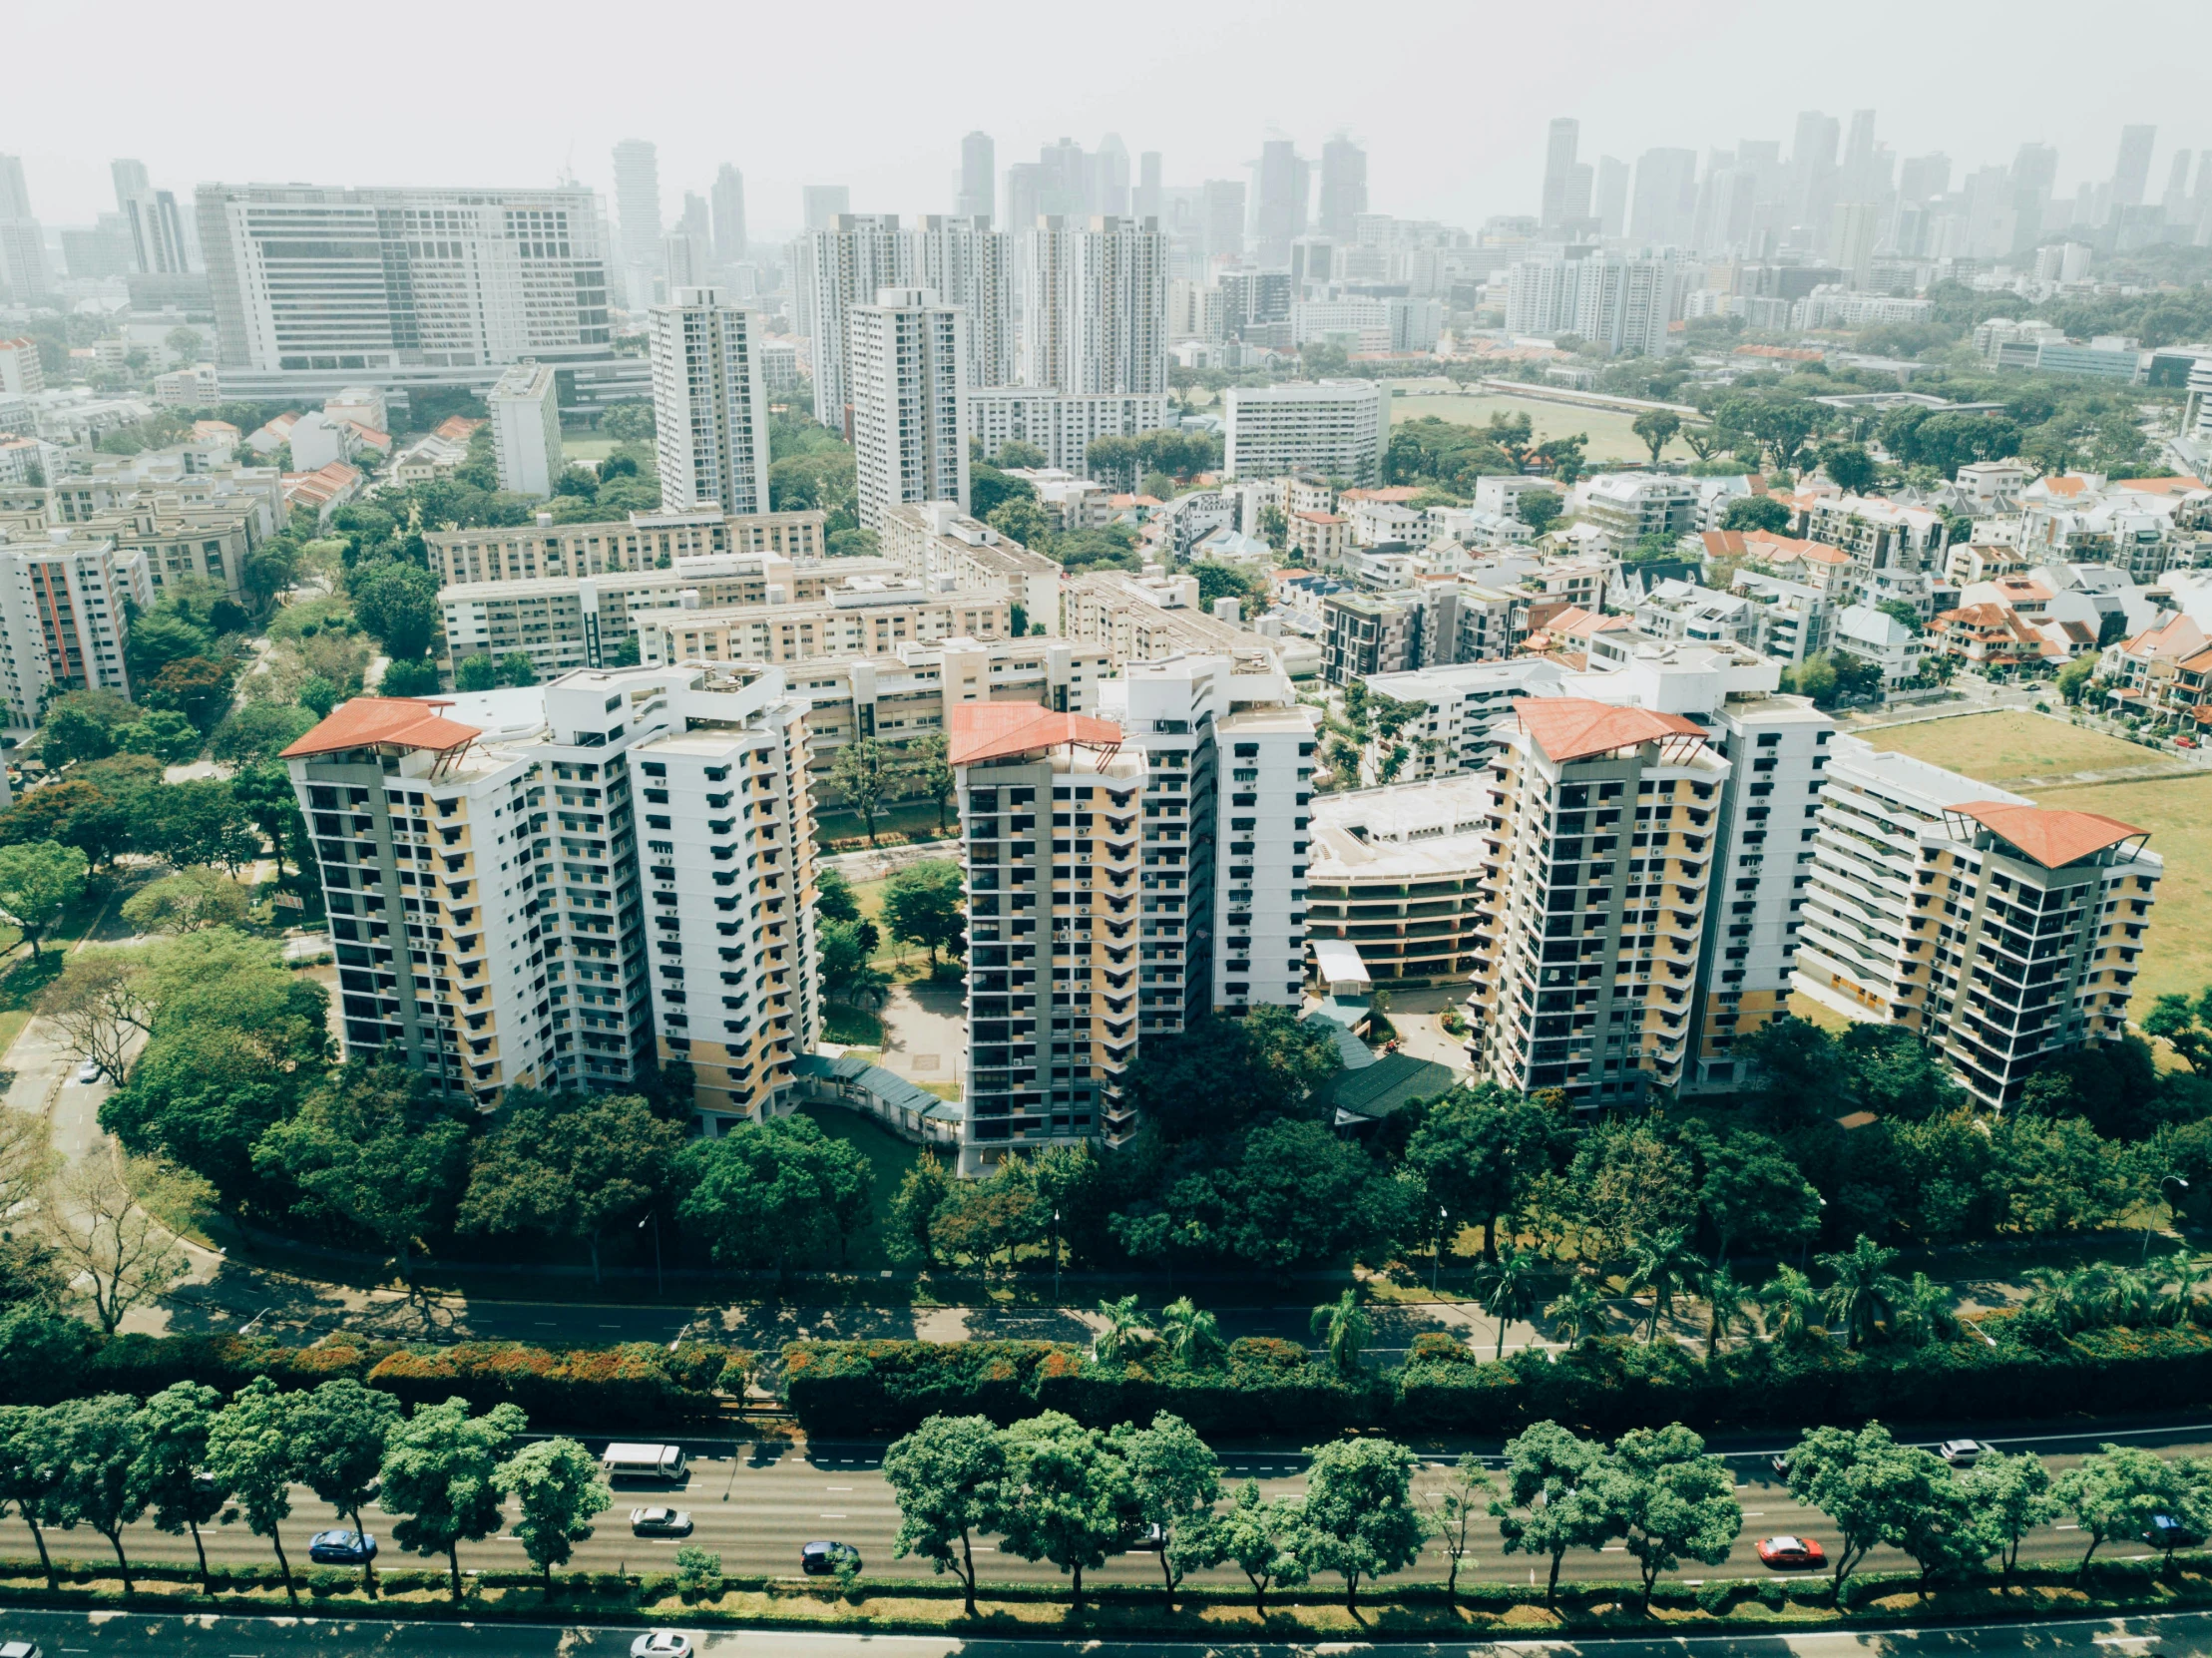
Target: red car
1791, 1554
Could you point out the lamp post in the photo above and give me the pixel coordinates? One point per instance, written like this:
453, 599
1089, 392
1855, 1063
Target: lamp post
2169, 1178
655, 1217
1055, 1257
1436, 1267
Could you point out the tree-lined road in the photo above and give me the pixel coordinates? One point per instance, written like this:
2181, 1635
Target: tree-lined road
757, 1507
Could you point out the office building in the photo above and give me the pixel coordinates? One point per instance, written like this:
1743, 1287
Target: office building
1343, 187
641, 542
2002, 934
637, 218
823, 205
977, 195
1095, 298
525, 429
23, 270
729, 216
1280, 185
157, 229
499, 921
1336, 428
1060, 424
21, 373
908, 370
969, 265
844, 264
1665, 199
1610, 204
710, 405
1148, 198
2132, 170
1220, 221
1559, 207
66, 597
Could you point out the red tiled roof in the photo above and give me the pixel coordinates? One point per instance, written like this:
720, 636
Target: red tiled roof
995, 730
2052, 838
2180, 484
367, 720
1573, 727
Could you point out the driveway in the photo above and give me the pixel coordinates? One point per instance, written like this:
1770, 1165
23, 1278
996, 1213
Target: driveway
925, 1031
1414, 1015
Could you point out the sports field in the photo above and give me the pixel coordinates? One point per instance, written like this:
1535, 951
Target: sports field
2003, 747
1611, 438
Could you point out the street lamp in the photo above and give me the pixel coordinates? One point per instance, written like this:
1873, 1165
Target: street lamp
1436, 1267
2173, 1208
1055, 1257
655, 1217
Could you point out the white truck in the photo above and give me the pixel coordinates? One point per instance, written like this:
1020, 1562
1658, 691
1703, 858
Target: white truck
659, 1463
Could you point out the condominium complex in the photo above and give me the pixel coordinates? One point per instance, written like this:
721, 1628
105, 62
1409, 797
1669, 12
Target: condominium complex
1094, 294
709, 404
65, 601
567, 886
1999, 931
643, 541
843, 264
1147, 618
1397, 886
936, 544
1455, 730
1336, 428
525, 429
848, 624
1060, 424
906, 361
967, 263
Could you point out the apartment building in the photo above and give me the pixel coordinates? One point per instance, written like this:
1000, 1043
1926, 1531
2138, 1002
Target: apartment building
908, 371
2001, 933
564, 621
1363, 635
643, 541
1335, 428
1147, 618
1877, 534
1095, 305
865, 622
182, 541
499, 921
1453, 732
937, 544
65, 601
1061, 424
1632, 506
969, 265
835, 267
525, 410
1049, 807
709, 404
1398, 877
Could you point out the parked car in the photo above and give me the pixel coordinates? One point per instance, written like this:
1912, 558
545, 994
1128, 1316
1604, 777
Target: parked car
341, 1548
817, 1558
661, 1643
660, 1522
1791, 1554
1961, 1453
20, 1649
2165, 1531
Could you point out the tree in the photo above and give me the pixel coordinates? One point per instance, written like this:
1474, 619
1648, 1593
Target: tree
187, 902
1343, 1328
1539, 509
1754, 1195
517, 670
923, 1194
199, 821
1791, 1308
1125, 1332
172, 1464
930, 770
1578, 1313
2073, 681
1194, 1337
104, 1238
164, 734
2012, 1496
2115, 1493
1467, 1492
1655, 427
948, 1479
82, 726
1176, 1480
1065, 1494
97, 1444
38, 882
253, 1450
1670, 1499
198, 687
862, 772
1867, 1483
1223, 1075
921, 904
849, 973
1756, 511
440, 1472
833, 896
567, 1166
2185, 1026
1360, 1516
1548, 1469
29, 1472
1864, 1290
397, 603
341, 1430
1506, 1290
557, 1484
1262, 1538
1849, 466
404, 676
773, 1191
477, 672
1665, 1266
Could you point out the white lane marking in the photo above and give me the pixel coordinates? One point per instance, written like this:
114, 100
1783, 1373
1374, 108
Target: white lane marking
833, 1516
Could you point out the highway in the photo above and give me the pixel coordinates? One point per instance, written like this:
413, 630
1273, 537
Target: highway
2176, 1635
757, 1507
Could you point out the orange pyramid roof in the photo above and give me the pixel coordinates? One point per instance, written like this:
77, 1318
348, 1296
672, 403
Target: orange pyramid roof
2052, 838
996, 730
367, 720
1573, 727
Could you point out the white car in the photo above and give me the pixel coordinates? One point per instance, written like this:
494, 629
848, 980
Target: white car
1961, 1453
661, 1643
88, 1073
660, 1522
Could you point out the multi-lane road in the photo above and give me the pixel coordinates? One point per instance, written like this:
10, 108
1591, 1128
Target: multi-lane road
755, 1504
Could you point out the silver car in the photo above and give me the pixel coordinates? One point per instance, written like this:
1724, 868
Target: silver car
1961, 1453
660, 1522
661, 1643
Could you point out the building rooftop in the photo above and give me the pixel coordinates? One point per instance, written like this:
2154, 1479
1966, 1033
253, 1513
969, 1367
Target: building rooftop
1572, 728
2052, 838
999, 730
366, 721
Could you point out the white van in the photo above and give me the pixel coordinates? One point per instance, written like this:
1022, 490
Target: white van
662, 1462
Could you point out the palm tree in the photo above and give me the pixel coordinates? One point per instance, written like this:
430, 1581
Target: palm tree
2130, 1295
1343, 1329
1666, 1266
1791, 1306
2075, 1297
1730, 1302
1506, 1290
1863, 1289
1920, 1312
1125, 1325
1580, 1313
1194, 1337
2179, 1270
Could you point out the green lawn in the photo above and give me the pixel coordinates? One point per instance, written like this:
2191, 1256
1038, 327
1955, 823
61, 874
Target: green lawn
844, 832
2010, 744
1610, 436
587, 446
851, 1027
888, 1156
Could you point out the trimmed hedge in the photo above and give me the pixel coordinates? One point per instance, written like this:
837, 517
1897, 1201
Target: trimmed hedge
889, 1387
632, 1385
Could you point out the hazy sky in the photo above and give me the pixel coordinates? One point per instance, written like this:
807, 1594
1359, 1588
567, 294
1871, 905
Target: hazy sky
1450, 98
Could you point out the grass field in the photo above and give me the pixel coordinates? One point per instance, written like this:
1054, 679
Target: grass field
1611, 438
587, 446
2176, 810
888, 1156
2005, 746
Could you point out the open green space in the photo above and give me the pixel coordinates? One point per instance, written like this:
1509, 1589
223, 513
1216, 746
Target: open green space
1610, 436
587, 446
2007, 745
889, 1158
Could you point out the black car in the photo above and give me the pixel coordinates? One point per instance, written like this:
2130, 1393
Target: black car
2165, 1531
816, 1559
341, 1549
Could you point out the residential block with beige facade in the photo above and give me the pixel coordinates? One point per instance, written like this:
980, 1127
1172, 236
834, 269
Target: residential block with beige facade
937, 544
65, 601
645, 541
871, 623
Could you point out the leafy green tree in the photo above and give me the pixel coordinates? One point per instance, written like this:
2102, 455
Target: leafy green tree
199, 821
921, 904
1871, 1488
1224, 1074
863, 774
2115, 1493
849, 973
1262, 1536
164, 734
1125, 1332
2010, 1496
1753, 1194
1670, 1500
1343, 1326
1453, 1507
1664, 1266
517, 670
398, 606
252, 1451
568, 1166
38, 883
773, 1191
1655, 427
340, 1436
1360, 1520
1065, 1495
172, 1468
1551, 1503
1728, 1304
477, 672
2073, 682
1791, 1308
440, 1473
404, 676
29, 1472
1578, 1313
1177, 1480
833, 896
2185, 1026
1849, 465
923, 1194
97, 1445
187, 902
948, 1477
932, 772
198, 687
1756, 511
1022, 519
558, 1487
1863, 1289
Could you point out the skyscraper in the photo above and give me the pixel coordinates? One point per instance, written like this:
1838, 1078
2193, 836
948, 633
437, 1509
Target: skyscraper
967, 263
1558, 170
525, 429
1281, 180
1611, 208
823, 204
2131, 172
709, 404
1858, 156
1343, 187
908, 377
1813, 167
1221, 219
1665, 197
156, 227
1146, 201
1851, 237
1097, 305
1110, 177
22, 243
843, 264
979, 173
637, 213
15, 196
729, 216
